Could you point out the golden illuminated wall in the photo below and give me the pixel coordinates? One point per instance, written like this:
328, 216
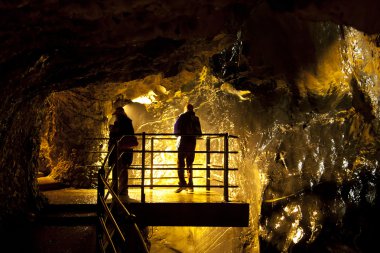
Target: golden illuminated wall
286, 147
327, 143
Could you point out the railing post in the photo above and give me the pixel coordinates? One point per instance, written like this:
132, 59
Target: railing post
101, 173
143, 168
115, 171
151, 161
100, 211
226, 167
208, 161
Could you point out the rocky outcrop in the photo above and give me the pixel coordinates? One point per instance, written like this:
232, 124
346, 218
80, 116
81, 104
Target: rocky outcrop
64, 66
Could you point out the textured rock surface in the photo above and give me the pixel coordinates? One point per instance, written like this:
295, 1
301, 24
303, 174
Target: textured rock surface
312, 108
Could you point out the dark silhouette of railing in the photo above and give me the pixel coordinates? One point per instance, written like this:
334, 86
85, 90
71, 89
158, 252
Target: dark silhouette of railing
147, 146
111, 232
108, 217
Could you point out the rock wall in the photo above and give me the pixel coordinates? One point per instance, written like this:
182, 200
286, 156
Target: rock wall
312, 104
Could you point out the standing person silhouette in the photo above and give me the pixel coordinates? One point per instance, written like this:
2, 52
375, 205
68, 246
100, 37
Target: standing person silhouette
122, 126
187, 128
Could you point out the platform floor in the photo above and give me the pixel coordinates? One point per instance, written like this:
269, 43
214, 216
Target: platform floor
57, 194
164, 207
162, 195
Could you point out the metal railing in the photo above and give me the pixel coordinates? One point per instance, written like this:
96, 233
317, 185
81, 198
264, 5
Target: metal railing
111, 232
147, 150
109, 226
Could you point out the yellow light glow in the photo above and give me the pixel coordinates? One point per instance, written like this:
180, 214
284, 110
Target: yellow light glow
228, 88
146, 99
298, 236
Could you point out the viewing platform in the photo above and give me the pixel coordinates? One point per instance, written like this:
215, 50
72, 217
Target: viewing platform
154, 176
152, 182
163, 207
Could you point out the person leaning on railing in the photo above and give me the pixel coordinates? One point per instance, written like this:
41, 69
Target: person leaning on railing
186, 124
122, 126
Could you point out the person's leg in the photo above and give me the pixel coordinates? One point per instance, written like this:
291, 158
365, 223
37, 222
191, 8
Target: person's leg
123, 181
181, 171
112, 158
189, 164
126, 161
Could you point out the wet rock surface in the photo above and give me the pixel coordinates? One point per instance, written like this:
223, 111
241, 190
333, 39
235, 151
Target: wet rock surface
296, 80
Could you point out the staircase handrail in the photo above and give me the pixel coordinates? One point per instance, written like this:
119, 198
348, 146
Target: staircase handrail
102, 181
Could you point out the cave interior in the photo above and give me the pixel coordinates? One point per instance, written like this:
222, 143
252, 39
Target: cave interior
296, 81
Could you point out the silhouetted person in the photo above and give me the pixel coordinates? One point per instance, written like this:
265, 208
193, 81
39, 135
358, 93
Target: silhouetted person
122, 126
186, 124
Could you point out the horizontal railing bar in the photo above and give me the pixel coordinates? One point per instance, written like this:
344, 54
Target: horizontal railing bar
176, 151
175, 168
176, 185
137, 178
167, 151
156, 164
157, 178
175, 138
167, 164
167, 134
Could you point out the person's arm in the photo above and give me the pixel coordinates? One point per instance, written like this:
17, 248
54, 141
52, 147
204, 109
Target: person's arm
198, 127
177, 126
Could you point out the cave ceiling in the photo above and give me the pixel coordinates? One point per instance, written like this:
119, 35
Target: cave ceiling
56, 45
92, 47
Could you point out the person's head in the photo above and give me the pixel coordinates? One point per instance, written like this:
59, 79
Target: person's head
190, 107
119, 111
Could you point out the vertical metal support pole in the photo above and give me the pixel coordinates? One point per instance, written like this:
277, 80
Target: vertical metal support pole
226, 167
100, 211
143, 168
101, 173
208, 161
115, 171
151, 161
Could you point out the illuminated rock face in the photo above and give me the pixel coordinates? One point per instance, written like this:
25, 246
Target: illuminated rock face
302, 96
